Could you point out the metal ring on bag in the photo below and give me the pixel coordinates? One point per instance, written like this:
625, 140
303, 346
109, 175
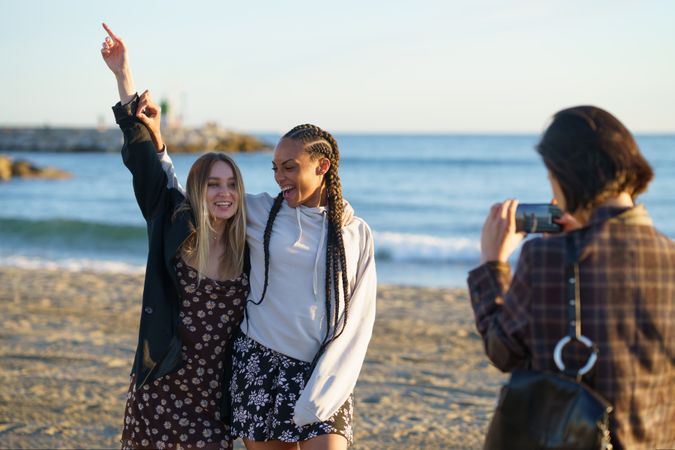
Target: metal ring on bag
557, 354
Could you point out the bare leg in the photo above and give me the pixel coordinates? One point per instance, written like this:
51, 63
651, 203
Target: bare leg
325, 442
270, 445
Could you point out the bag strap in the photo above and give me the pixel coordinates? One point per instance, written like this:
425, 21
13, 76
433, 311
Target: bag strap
573, 294
573, 314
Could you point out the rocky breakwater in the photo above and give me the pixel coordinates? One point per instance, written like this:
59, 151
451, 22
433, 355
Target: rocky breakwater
24, 169
210, 137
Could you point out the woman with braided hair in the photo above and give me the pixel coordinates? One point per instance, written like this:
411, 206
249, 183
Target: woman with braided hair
311, 307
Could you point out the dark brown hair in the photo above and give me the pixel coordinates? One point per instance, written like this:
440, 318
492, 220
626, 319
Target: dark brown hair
593, 156
319, 143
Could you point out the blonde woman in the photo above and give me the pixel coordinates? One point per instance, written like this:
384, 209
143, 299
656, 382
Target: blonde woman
195, 283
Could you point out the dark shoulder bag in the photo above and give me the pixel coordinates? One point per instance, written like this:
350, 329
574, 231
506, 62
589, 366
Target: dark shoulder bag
543, 410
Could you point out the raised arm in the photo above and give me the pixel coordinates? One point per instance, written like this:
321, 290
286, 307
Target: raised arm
116, 57
140, 156
139, 119
502, 306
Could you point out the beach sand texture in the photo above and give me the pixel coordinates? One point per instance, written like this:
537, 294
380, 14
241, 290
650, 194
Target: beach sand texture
67, 341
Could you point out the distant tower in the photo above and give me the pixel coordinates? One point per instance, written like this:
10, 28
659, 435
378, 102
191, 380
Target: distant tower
166, 113
183, 109
101, 124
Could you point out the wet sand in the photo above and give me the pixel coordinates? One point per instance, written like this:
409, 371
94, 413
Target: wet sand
67, 341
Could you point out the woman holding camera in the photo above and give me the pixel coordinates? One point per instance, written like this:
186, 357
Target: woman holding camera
627, 278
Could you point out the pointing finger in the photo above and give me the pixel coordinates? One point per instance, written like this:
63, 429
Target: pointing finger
110, 33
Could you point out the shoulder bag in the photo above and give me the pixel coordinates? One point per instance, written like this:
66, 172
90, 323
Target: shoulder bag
544, 410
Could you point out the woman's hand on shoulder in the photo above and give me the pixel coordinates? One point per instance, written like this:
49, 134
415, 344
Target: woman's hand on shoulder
150, 113
499, 237
347, 213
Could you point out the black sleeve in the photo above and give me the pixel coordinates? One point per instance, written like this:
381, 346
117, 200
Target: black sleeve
139, 155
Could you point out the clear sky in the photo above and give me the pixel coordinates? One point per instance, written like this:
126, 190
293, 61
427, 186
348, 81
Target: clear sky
348, 66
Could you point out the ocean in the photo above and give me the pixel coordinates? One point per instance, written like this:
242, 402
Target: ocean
424, 196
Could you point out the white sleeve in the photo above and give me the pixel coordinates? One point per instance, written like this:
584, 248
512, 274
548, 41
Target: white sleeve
337, 370
167, 165
258, 208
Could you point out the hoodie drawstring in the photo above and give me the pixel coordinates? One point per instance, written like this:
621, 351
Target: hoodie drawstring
297, 216
322, 237
318, 254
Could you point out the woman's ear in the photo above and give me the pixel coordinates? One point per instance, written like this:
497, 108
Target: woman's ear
324, 165
557, 191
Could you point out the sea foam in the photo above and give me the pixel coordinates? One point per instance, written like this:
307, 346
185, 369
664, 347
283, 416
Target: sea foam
70, 264
422, 248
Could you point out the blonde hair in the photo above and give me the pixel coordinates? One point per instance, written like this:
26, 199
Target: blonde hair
196, 245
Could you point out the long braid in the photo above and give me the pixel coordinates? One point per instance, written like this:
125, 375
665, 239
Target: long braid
334, 186
329, 257
276, 206
321, 143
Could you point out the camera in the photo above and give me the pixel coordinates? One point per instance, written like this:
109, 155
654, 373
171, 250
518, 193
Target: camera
538, 218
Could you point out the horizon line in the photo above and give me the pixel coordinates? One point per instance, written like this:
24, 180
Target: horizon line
347, 131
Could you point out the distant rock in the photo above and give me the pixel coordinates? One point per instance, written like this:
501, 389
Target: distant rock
47, 139
5, 168
210, 137
25, 169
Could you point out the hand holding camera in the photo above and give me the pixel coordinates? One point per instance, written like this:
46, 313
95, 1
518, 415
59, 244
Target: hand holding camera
509, 222
499, 237
538, 218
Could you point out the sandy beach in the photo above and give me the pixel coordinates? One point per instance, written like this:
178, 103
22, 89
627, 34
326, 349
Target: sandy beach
67, 341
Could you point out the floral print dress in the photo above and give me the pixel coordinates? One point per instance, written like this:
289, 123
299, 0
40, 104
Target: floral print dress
264, 388
182, 409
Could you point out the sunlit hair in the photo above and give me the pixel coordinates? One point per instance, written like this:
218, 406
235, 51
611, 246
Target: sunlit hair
196, 246
319, 143
593, 156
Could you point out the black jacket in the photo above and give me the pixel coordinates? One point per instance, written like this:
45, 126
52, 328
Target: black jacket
159, 344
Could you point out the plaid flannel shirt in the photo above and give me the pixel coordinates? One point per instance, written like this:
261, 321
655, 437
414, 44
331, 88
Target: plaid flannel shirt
627, 278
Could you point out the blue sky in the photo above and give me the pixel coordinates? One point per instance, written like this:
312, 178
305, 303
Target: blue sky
413, 66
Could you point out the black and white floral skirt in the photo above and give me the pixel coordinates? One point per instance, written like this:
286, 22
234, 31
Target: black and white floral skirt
264, 388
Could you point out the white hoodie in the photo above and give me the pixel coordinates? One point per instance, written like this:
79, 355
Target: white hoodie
291, 318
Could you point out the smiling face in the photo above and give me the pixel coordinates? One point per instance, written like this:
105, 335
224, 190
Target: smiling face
300, 177
222, 197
